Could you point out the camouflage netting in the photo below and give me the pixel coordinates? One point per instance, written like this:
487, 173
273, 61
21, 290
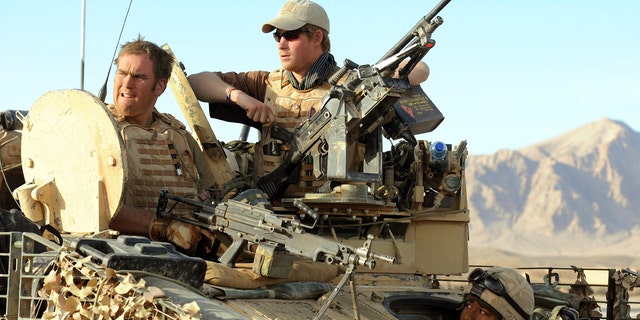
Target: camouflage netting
625, 282
75, 288
588, 306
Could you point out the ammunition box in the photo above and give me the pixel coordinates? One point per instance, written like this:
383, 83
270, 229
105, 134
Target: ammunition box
272, 261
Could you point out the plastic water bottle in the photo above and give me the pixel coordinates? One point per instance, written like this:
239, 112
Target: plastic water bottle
438, 150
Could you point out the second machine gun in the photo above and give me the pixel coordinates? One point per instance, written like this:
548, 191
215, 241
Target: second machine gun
252, 223
246, 223
354, 111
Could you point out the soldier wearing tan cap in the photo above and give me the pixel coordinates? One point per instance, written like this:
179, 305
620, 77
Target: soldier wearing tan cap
284, 96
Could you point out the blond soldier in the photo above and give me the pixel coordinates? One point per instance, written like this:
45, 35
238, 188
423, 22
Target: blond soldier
284, 96
160, 152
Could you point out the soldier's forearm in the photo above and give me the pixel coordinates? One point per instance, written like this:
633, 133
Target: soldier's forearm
132, 221
208, 87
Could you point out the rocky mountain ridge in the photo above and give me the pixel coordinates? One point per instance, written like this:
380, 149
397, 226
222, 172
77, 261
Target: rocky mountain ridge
573, 195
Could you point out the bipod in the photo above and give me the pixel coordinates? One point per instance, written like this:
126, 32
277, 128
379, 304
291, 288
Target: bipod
348, 275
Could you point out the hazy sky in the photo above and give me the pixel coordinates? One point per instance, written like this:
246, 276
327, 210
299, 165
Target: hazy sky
505, 73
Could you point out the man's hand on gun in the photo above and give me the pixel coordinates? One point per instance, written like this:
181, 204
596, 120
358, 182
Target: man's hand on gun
181, 234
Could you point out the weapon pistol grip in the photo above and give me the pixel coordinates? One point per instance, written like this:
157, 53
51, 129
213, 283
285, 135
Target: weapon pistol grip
232, 253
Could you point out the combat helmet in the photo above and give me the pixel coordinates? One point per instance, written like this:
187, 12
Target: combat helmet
504, 290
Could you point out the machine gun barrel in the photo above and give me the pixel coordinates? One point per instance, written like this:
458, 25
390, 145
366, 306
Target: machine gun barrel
412, 33
249, 223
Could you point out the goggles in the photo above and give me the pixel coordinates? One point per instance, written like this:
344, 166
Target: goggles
482, 280
289, 35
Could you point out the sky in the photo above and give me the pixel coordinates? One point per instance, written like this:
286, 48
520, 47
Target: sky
505, 74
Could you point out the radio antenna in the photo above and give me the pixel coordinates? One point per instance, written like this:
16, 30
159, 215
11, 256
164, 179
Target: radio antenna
103, 91
82, 27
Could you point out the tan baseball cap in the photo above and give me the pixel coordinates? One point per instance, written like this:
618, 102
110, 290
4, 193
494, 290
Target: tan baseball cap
296, 13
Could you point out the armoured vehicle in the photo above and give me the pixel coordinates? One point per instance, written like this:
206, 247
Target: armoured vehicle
388, 240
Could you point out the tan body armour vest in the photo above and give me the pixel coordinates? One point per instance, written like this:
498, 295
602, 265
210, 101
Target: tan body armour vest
158, 157
291, 107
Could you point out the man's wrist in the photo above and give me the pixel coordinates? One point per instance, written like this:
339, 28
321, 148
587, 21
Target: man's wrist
228, 92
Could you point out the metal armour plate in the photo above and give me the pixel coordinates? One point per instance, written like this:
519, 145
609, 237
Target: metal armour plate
72, 150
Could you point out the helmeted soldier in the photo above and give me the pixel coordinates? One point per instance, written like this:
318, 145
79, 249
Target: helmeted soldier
497, 293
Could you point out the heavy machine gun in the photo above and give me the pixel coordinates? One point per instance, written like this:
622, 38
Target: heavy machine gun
354, 111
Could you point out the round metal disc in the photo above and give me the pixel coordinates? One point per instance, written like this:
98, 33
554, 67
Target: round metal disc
72, 151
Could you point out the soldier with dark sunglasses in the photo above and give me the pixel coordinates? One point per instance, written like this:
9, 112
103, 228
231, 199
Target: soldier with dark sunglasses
286, 96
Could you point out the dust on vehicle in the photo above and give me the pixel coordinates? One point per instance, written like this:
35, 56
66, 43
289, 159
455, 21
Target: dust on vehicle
384, 239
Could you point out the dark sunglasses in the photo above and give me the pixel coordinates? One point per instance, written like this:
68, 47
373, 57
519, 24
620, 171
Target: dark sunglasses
289, 35
482, 280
